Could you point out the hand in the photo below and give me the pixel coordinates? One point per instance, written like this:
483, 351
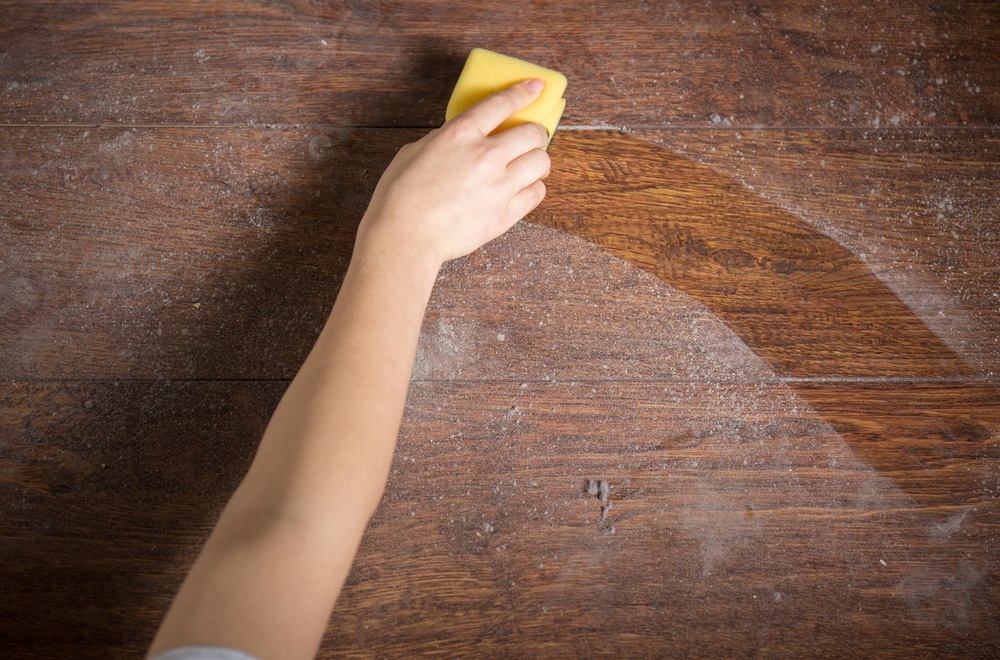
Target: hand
459, 187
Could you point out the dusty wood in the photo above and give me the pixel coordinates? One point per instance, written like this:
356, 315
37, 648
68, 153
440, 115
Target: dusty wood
733, 507
772, 63
721, 545
171, 253
178, 253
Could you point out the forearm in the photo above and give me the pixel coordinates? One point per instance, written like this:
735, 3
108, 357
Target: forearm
300, 513
340, 417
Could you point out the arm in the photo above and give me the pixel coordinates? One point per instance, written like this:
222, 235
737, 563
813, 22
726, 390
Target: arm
268, 577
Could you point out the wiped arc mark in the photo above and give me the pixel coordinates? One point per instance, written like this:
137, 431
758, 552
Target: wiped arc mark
801, 301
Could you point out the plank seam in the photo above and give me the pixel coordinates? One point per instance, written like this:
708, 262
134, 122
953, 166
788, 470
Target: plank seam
986, 380
562, 127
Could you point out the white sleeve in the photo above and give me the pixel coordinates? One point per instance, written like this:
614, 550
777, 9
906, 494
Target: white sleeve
204, 653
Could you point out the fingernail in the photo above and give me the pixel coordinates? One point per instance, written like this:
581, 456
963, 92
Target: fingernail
536, 85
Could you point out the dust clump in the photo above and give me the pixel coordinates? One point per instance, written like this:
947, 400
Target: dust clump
600, 489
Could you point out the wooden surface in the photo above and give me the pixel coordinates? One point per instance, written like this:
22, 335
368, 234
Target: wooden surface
368, 63
761, 302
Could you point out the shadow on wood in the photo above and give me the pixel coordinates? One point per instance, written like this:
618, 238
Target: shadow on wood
148, 255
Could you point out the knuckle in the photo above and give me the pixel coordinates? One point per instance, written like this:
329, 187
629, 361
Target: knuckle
463, 127
513, 98
490, 157
537, 192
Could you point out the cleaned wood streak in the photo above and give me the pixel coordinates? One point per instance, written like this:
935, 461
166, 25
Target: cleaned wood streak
732, 390
800, 300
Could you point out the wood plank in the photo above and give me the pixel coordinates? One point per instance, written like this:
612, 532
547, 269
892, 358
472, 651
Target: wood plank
734, 508
706, 526
111, 237
772, 63
784, 366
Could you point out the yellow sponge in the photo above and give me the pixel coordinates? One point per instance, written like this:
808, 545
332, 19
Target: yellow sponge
487, 72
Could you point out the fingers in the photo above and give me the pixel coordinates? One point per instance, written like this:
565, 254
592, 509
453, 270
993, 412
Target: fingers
525, 172
521, 139
528, 168
489, 113
525, 201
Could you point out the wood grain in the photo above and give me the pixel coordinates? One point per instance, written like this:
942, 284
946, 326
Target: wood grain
733, 508
703, 547
938, 442
770, 63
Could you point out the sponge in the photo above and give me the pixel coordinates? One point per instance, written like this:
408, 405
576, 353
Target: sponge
487, 72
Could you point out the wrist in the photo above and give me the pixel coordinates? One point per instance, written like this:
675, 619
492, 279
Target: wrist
392, 243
